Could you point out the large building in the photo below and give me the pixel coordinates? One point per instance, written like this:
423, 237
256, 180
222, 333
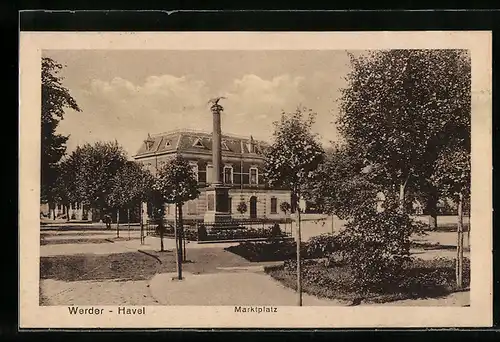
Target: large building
241, 171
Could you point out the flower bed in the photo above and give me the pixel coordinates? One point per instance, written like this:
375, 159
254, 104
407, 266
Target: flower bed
222, 234
420, 279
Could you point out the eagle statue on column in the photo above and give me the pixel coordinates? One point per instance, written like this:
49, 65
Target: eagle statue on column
215, 106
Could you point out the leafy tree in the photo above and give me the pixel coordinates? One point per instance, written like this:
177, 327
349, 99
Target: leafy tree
65, 190
340, 184
399, 109
176, 183
97, 166
291, 159
130, 186
55, 100
452, 177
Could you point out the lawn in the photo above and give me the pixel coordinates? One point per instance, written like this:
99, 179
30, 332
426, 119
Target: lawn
133, 265
422, 279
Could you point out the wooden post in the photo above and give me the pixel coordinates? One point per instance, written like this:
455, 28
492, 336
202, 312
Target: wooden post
460, 244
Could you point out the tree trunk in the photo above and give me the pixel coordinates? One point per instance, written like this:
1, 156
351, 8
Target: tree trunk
299, 271
118, 223
402, 189
128, 222
67, 213
460, 244
180, 235
431, 208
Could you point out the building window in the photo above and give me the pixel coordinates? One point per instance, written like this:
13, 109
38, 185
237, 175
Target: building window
230, 205
274, 205
210, 170
228, 175
254, 175
167, 143
194, 166
224, 145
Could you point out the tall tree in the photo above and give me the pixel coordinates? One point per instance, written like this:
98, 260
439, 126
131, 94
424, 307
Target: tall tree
55, 100
98, 165
177, 184
130, 186
293, 156
400, 107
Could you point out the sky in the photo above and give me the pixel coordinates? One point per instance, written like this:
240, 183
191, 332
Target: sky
125, 95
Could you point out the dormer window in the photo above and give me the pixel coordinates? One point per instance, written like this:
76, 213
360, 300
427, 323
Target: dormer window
198, 143
224, 146
168, 144
149, 143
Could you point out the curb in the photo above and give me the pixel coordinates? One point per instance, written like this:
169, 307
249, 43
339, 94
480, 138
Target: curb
151, 255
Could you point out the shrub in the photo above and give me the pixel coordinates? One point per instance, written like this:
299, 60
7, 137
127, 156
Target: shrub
323, 245
377, 246
276, 230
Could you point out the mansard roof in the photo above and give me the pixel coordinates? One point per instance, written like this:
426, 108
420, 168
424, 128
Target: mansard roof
197, 141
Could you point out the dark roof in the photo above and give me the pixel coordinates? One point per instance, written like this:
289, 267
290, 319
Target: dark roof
195, 141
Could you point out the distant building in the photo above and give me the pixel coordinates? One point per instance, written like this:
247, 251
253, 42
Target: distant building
242, 170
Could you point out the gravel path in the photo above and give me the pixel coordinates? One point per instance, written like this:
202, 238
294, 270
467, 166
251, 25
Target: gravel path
96, 292
239, 288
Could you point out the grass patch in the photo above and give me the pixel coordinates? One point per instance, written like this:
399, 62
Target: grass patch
421, 279
450, 227
133, 265
44, 242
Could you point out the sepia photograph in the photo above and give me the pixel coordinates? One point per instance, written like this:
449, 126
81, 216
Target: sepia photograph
257, 179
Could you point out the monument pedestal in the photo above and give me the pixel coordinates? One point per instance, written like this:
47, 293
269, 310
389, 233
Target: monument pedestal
217, 204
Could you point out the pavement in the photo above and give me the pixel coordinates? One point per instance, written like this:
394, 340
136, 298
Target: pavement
226, 288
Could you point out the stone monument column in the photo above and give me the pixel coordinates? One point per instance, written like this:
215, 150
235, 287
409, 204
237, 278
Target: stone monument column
217, 195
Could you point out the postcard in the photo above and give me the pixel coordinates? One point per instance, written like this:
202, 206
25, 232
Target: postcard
255, 179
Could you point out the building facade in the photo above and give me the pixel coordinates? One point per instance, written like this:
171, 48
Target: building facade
241, 170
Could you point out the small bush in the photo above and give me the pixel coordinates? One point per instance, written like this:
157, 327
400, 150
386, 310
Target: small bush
202, 233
